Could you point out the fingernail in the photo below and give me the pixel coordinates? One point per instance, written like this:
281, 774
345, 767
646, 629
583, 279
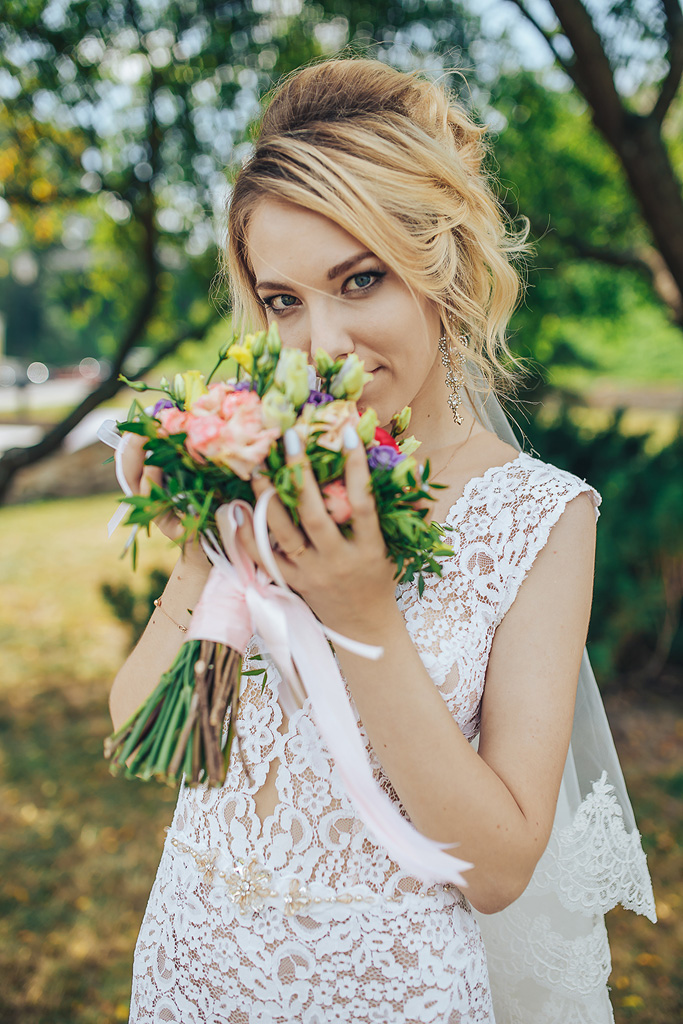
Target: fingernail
292, 443
350, 437
239, 516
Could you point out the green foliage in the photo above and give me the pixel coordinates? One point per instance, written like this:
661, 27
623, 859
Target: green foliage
636, 629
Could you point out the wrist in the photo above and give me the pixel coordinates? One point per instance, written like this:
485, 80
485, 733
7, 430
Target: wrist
374, 625
193, 563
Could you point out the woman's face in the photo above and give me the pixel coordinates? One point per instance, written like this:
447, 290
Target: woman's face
324, 289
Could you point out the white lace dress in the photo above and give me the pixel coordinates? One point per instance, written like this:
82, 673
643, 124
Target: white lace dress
306, 919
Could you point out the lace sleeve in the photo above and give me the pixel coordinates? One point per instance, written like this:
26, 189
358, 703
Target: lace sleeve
538, 500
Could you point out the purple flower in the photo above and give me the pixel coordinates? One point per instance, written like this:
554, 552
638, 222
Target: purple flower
384, 457
163, 403
318, 397
244, 385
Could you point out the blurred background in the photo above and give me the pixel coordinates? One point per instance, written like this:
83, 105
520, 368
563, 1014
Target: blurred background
118, 124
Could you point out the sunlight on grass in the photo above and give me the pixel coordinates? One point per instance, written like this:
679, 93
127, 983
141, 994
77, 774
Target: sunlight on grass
53, 620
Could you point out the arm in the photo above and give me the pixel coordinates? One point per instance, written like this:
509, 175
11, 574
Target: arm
162, 638
497, 804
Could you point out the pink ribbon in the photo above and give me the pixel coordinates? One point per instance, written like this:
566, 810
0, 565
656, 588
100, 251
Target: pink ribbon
240, 600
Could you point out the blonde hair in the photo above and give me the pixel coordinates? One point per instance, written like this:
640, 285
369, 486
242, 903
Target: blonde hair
396, 162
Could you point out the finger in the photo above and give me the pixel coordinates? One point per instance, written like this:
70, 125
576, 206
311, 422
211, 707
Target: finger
150, 475
317, 523
366, 526
133, 460
284, 533
245, 535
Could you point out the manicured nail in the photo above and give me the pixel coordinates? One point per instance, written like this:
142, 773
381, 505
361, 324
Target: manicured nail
239, 516
292, 443
349, 437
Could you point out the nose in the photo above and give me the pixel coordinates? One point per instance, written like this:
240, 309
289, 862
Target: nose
329, 331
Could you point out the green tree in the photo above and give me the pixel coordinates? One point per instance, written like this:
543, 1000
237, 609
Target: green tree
626, 61
116, 126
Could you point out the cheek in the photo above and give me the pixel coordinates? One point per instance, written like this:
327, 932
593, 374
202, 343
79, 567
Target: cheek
292, 333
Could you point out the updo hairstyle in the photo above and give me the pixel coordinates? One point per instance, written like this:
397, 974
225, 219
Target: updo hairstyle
396, 162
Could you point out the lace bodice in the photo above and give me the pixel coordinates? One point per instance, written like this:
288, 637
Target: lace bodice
498, 526
313, 861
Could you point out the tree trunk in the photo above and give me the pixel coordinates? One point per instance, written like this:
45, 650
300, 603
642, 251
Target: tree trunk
636, 139
645, 159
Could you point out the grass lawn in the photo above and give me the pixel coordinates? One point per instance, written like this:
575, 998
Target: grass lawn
80, 848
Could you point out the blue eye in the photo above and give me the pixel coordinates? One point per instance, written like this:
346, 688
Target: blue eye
361, 282
278, 303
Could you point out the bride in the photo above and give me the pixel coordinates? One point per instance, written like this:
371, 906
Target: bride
363, 223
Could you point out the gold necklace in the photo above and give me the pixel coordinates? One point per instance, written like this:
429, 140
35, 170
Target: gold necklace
453, 453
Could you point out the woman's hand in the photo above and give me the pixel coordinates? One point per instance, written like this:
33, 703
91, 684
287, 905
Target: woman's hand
349, 584
140, 477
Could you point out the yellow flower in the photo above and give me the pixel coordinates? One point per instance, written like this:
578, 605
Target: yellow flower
399, 473
273, 342
401, 420
323, 362
243, 354
189, 386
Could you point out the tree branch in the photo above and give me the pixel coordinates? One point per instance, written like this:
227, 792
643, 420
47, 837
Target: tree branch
674, 31
18, 458
590, 70
646, 261
596, 80
548, 36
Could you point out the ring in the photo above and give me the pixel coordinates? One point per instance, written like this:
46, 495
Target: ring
295, 554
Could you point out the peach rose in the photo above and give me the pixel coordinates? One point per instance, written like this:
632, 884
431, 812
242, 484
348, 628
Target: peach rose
333, 417
240, 442
210, 403
173, 421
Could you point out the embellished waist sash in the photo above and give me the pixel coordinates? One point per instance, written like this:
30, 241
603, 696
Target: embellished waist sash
252, 886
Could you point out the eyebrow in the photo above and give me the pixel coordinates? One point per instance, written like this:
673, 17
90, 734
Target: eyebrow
332, 273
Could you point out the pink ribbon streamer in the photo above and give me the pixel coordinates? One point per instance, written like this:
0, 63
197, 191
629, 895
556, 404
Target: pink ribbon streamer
238, 601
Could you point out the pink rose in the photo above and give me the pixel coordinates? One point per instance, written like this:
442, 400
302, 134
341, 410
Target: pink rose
337, 501
204, 436
210, 403
240, 442
172, 421
234, 399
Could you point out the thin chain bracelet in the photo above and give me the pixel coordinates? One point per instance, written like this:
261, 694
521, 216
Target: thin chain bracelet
158, 604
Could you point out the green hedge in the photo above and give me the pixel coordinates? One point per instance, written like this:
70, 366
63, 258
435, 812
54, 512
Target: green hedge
636, 634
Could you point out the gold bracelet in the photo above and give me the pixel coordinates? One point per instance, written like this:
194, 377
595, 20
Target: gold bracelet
158, 604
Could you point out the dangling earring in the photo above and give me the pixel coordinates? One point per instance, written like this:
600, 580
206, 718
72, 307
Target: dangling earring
454, 381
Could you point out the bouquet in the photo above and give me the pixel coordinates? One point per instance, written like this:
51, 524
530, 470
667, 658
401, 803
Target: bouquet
209, 437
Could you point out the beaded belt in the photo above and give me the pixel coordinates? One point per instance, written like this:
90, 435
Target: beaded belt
250, 885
